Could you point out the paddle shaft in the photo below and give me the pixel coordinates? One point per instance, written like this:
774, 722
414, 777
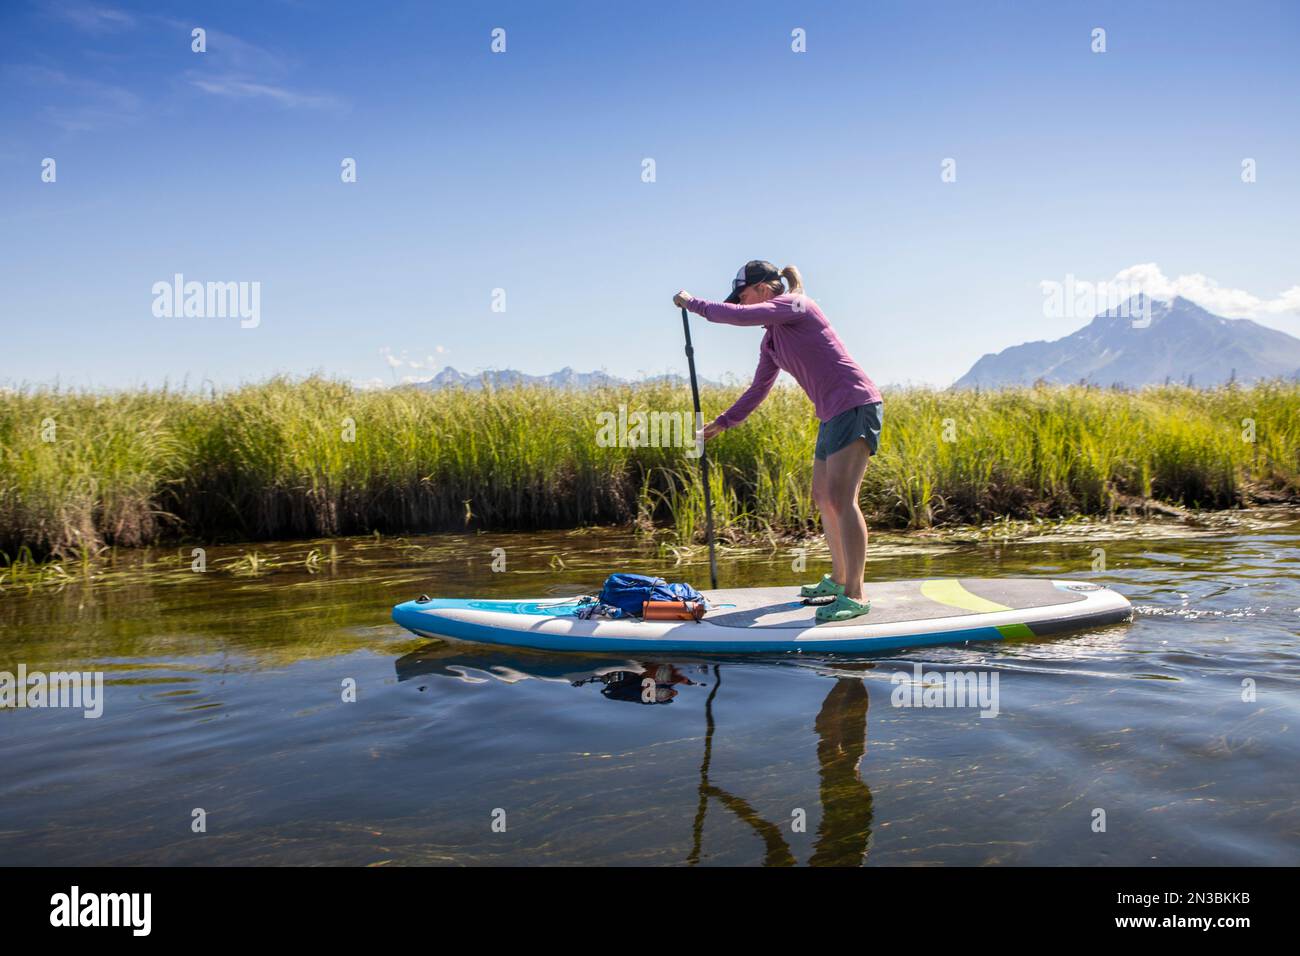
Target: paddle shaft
704, 458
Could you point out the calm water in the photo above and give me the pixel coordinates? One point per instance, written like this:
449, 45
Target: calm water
224, 692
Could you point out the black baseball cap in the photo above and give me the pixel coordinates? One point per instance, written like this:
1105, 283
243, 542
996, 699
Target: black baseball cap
755, 270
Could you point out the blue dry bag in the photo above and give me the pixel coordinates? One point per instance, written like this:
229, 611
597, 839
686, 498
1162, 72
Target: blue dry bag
628, 592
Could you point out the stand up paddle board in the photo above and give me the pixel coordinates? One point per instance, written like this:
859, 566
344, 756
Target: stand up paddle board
903, 614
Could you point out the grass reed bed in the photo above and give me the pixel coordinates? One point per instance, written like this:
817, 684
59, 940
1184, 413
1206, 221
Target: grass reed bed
315, 458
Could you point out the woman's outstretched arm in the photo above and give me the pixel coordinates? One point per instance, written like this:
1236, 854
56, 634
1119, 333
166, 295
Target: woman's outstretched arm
764, 377
771, 312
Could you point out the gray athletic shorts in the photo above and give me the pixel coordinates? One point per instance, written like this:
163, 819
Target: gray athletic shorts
848, 427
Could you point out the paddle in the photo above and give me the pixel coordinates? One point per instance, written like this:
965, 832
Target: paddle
704, 458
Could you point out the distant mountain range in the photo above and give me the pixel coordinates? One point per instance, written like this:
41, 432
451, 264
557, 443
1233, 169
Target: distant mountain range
564, 378
1183, 343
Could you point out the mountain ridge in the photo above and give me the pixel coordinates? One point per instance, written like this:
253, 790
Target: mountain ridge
566, 377
1183, 342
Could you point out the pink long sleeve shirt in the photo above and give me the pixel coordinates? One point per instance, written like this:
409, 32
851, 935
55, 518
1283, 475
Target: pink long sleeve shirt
800, 341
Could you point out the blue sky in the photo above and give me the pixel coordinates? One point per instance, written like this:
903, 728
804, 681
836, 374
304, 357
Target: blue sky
522, 171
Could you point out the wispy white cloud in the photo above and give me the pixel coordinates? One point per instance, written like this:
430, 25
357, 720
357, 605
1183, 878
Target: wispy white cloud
1148, 278
235, 87
236, 69
93, 18
230, 68
235, 55
89, 104
396, 361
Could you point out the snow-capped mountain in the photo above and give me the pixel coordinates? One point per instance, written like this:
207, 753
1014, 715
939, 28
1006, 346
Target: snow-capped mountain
1182, 343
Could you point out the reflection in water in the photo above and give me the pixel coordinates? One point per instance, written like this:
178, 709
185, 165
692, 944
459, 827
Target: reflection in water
777, 852
845, 830
472, 663
840, 725
223, 691
651, 684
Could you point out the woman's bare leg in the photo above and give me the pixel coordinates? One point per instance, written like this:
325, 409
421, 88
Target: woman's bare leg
844, 471
830, 521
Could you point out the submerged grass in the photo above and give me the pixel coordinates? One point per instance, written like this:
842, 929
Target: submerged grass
317, 458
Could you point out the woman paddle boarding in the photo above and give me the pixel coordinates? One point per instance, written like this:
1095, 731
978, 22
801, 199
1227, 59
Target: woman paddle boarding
801, 341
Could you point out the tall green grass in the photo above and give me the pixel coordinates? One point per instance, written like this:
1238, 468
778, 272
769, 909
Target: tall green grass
274, 460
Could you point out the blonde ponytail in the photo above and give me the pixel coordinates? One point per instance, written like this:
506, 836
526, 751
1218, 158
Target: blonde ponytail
792, 279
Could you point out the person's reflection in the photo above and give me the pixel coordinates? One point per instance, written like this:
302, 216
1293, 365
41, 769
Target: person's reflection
844, 833
841, 726
845, 829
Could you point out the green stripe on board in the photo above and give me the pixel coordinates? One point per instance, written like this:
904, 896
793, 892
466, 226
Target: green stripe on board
1015, 630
